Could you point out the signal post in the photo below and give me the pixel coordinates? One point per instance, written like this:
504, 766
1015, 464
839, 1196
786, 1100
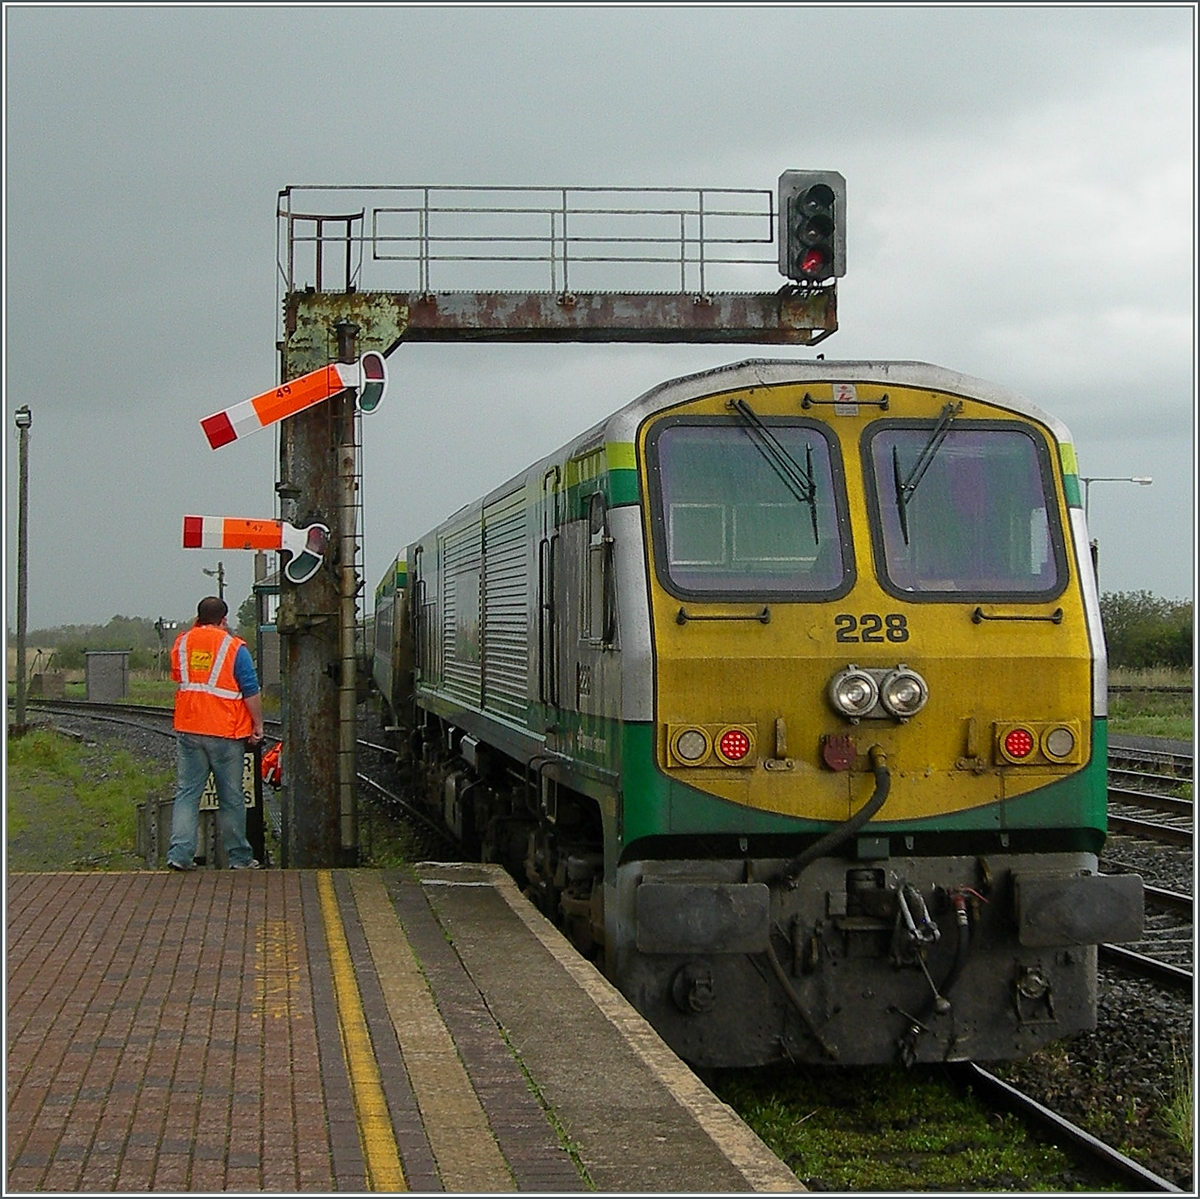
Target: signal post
318, 619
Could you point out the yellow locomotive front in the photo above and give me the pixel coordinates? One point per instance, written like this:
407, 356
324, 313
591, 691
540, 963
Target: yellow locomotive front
875, 671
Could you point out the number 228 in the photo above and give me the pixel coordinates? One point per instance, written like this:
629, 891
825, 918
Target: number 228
871, 627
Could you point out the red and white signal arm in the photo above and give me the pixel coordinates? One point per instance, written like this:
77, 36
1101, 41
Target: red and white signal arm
367, 376
307, 546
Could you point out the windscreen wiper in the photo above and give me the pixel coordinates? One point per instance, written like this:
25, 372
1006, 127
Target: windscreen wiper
796, 478
905, 489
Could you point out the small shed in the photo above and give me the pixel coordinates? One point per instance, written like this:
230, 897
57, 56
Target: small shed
106, 672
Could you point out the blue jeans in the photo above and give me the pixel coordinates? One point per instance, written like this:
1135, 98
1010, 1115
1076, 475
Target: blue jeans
196, 756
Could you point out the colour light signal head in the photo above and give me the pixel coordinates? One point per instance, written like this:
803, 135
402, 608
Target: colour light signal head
812, 235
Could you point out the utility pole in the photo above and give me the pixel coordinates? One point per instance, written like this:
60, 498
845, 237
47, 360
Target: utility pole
24, 420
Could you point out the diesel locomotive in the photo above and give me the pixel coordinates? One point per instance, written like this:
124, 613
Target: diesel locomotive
782, 692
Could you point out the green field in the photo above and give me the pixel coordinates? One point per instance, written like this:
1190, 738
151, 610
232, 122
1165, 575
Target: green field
1152, 713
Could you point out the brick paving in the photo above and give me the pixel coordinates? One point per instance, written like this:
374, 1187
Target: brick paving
180, 1032
162, 1034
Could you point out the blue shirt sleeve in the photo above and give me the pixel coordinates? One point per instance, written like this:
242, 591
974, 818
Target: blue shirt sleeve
244, 672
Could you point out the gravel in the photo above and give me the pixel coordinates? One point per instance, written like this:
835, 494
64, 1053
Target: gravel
155, 745
1117, 1081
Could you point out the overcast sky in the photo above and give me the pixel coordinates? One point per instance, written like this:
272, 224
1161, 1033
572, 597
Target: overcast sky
1021, 208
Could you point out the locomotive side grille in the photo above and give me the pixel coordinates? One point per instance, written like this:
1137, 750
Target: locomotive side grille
462, 558
505, 608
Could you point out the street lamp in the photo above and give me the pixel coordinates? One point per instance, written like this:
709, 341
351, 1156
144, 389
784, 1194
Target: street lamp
1087, 481
24, 419
1144, 480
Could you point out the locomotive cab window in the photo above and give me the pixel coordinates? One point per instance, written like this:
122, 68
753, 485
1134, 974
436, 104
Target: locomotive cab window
964, 507
747, 507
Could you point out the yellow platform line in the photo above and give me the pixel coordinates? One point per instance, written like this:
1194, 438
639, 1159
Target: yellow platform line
468, 1159
380, 1155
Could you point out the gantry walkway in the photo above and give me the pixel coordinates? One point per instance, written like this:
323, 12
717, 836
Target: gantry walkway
360, 1030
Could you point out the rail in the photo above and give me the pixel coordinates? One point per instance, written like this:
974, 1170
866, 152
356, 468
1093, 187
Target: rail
550, 239
1002, 1094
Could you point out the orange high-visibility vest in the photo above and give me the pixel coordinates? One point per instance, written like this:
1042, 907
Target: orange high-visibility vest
209, 701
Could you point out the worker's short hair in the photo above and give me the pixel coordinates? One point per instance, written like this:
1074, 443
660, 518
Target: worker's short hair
211, 610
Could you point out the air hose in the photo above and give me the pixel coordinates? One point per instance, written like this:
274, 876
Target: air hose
883, 783
962, 948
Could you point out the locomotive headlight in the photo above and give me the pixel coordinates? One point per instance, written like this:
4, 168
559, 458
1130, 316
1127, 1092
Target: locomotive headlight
904, 693
1058, 742
691, 745
853, 692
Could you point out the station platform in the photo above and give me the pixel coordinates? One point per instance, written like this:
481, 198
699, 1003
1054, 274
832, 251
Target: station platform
348, 1030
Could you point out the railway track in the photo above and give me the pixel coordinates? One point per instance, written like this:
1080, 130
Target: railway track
1098, 1154
1146, 784
1145, 805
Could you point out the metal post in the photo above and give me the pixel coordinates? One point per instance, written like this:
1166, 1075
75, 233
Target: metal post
1087, 481
219, 575
347, 332
24, 420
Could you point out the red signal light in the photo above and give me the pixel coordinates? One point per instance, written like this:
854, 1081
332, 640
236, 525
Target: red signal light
1018, 743
813, 262
734, 745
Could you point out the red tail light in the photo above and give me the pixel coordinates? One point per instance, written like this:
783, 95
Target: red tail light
1018, 743
734, 745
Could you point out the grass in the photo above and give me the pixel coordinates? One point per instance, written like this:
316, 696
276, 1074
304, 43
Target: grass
1179, 1112
72, 806
1152, 713
886, 1129
385, 844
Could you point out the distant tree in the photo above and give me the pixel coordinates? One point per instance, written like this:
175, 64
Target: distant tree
247, 619
1142, 629
69, 655
136, 633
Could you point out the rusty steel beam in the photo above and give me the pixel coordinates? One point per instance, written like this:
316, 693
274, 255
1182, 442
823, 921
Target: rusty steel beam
787, 317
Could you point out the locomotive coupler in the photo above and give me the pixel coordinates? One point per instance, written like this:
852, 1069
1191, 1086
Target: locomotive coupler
915, 928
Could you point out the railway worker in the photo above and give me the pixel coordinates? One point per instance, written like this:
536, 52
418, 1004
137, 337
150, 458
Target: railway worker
218, 709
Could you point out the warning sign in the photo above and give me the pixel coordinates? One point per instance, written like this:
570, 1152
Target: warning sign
208, 797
